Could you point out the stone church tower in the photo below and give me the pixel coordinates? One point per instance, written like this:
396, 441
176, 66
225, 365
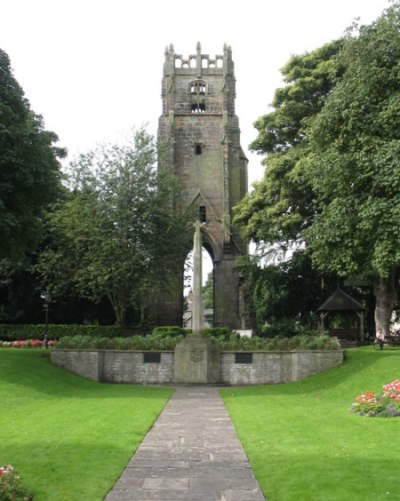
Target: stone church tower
199, 124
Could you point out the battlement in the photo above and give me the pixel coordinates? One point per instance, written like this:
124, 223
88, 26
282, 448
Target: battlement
197, 63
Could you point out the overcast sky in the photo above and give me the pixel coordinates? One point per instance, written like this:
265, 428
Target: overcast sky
93, 68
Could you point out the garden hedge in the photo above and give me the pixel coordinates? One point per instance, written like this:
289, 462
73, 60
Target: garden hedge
233, 343
9, 332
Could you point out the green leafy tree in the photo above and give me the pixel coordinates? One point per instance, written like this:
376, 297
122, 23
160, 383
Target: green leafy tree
290, 290
22, 299
208, 291
356, 174
19, 298
276, 213
29, 169
281, 204
119, 230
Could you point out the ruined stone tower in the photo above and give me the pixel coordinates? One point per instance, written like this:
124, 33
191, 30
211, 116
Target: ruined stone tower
199, 124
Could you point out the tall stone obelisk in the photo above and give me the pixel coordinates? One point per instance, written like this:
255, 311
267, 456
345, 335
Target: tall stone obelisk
197, 358
197, 304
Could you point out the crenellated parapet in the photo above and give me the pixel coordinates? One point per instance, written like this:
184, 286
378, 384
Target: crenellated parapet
198, 63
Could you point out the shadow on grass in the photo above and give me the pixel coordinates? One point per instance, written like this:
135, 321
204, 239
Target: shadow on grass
32, 369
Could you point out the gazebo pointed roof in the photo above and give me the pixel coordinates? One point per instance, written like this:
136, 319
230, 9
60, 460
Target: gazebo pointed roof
341, 301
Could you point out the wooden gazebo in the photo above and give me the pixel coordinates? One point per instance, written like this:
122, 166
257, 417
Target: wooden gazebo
341, 302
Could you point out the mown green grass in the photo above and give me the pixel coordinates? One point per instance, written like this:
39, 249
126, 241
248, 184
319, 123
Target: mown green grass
68, 437
303, 442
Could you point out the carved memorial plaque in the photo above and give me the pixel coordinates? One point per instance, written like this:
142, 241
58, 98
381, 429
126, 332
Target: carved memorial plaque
196, 355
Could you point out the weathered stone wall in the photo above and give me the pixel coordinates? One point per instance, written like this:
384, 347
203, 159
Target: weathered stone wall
82, 362
277, 367
129, 367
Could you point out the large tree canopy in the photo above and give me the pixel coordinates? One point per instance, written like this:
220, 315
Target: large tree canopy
332, 178
117, 234
285, 290
281, 205
356, 174
29, 170
276, 212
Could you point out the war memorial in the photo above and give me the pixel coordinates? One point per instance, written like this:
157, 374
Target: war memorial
199, 125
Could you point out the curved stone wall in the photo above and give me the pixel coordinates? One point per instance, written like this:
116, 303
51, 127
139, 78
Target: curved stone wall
137, 367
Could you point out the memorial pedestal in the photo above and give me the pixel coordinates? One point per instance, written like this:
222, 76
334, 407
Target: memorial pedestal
197, 361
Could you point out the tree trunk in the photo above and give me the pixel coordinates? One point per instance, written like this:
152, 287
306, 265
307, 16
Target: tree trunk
385, 295
120, 315
119, 310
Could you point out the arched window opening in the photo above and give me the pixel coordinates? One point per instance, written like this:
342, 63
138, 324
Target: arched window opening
202, 214
198, 108
197, 149
198, 88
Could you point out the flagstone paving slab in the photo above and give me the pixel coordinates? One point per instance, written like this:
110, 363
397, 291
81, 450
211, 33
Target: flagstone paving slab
192, 453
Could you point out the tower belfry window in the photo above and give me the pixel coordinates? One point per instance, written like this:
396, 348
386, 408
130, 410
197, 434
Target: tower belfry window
198, 91
198, 108
198, 88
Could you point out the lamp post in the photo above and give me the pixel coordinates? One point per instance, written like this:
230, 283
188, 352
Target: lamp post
46, 296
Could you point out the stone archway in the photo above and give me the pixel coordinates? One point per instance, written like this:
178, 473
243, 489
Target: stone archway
208, 280
199, 125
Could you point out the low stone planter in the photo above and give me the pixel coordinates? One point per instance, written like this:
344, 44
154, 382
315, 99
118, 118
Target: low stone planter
236, 368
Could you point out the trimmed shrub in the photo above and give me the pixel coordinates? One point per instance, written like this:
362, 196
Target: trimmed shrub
218, 332
170, 331
286, 328
233, 343
277, 344
106, 343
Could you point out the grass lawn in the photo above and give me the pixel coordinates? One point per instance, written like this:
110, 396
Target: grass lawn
68, 437
305, 445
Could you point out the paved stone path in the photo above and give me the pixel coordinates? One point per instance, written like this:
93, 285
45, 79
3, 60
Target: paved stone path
192, 453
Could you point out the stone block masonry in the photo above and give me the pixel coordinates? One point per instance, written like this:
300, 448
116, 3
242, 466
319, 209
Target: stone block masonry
132, 367
191, 453
277, 367
201, 129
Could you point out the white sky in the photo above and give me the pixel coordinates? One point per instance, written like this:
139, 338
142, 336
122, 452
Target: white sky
93, 68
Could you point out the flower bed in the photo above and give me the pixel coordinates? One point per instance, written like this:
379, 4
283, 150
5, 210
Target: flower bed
385, 404
13, 332
11, 487
27, 343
